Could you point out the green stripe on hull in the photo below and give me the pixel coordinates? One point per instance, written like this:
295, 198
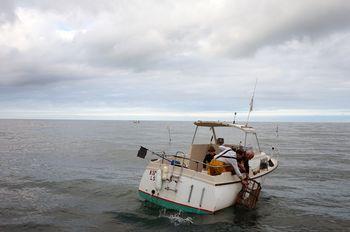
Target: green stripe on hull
170, 205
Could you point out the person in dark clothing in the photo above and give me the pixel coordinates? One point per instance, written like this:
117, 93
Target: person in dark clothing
209, 156
243, 158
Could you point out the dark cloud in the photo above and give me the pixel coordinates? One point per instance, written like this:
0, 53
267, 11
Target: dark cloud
270, 24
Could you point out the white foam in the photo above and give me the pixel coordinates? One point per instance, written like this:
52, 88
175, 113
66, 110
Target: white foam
176, 218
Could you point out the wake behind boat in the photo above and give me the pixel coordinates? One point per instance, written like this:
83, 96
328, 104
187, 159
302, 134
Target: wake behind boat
183, 182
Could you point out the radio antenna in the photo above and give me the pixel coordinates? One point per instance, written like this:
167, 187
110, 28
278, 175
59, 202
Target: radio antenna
251, 103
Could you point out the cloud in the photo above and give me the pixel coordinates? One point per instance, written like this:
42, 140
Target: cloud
7, 11
252, 27
176, 56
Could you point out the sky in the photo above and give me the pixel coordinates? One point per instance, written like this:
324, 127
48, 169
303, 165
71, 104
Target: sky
175, 60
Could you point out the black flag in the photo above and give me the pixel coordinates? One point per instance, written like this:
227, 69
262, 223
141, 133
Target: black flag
142, 152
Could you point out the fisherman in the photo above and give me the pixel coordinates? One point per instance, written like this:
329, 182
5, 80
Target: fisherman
243, 157
222, 147
209, 156
228, 159
235, 161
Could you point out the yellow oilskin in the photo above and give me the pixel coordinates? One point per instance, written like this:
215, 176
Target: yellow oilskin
214, 171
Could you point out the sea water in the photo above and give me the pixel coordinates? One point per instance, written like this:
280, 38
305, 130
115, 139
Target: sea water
61, 175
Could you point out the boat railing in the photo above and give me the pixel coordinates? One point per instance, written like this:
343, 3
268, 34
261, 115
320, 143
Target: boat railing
183, 165
172, 159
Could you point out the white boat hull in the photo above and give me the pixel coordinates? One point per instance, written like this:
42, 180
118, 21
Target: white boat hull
191, 191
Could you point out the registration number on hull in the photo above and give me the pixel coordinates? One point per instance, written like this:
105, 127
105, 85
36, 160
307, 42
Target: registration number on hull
152, 175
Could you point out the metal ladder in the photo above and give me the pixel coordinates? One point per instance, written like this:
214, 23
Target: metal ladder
175, 178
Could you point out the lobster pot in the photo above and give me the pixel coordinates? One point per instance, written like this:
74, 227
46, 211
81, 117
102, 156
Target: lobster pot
249, 196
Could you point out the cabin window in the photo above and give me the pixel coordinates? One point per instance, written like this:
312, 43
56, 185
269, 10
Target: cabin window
231, 135
251, 141
204, 135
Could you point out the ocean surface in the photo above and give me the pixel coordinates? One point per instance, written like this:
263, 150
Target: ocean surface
61, 175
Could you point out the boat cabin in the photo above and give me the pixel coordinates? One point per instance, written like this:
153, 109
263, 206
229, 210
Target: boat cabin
207, 134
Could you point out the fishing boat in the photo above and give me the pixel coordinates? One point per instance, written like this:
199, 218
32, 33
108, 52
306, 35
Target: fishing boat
181, 182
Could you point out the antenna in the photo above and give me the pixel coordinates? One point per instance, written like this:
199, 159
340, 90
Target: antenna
251, 103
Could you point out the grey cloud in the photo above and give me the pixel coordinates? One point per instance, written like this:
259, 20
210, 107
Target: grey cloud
170, 56
141, 35
271, 24
7, 11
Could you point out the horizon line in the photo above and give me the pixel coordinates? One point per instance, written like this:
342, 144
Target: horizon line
347, 120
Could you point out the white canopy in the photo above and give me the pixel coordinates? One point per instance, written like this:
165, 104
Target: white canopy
223, 124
